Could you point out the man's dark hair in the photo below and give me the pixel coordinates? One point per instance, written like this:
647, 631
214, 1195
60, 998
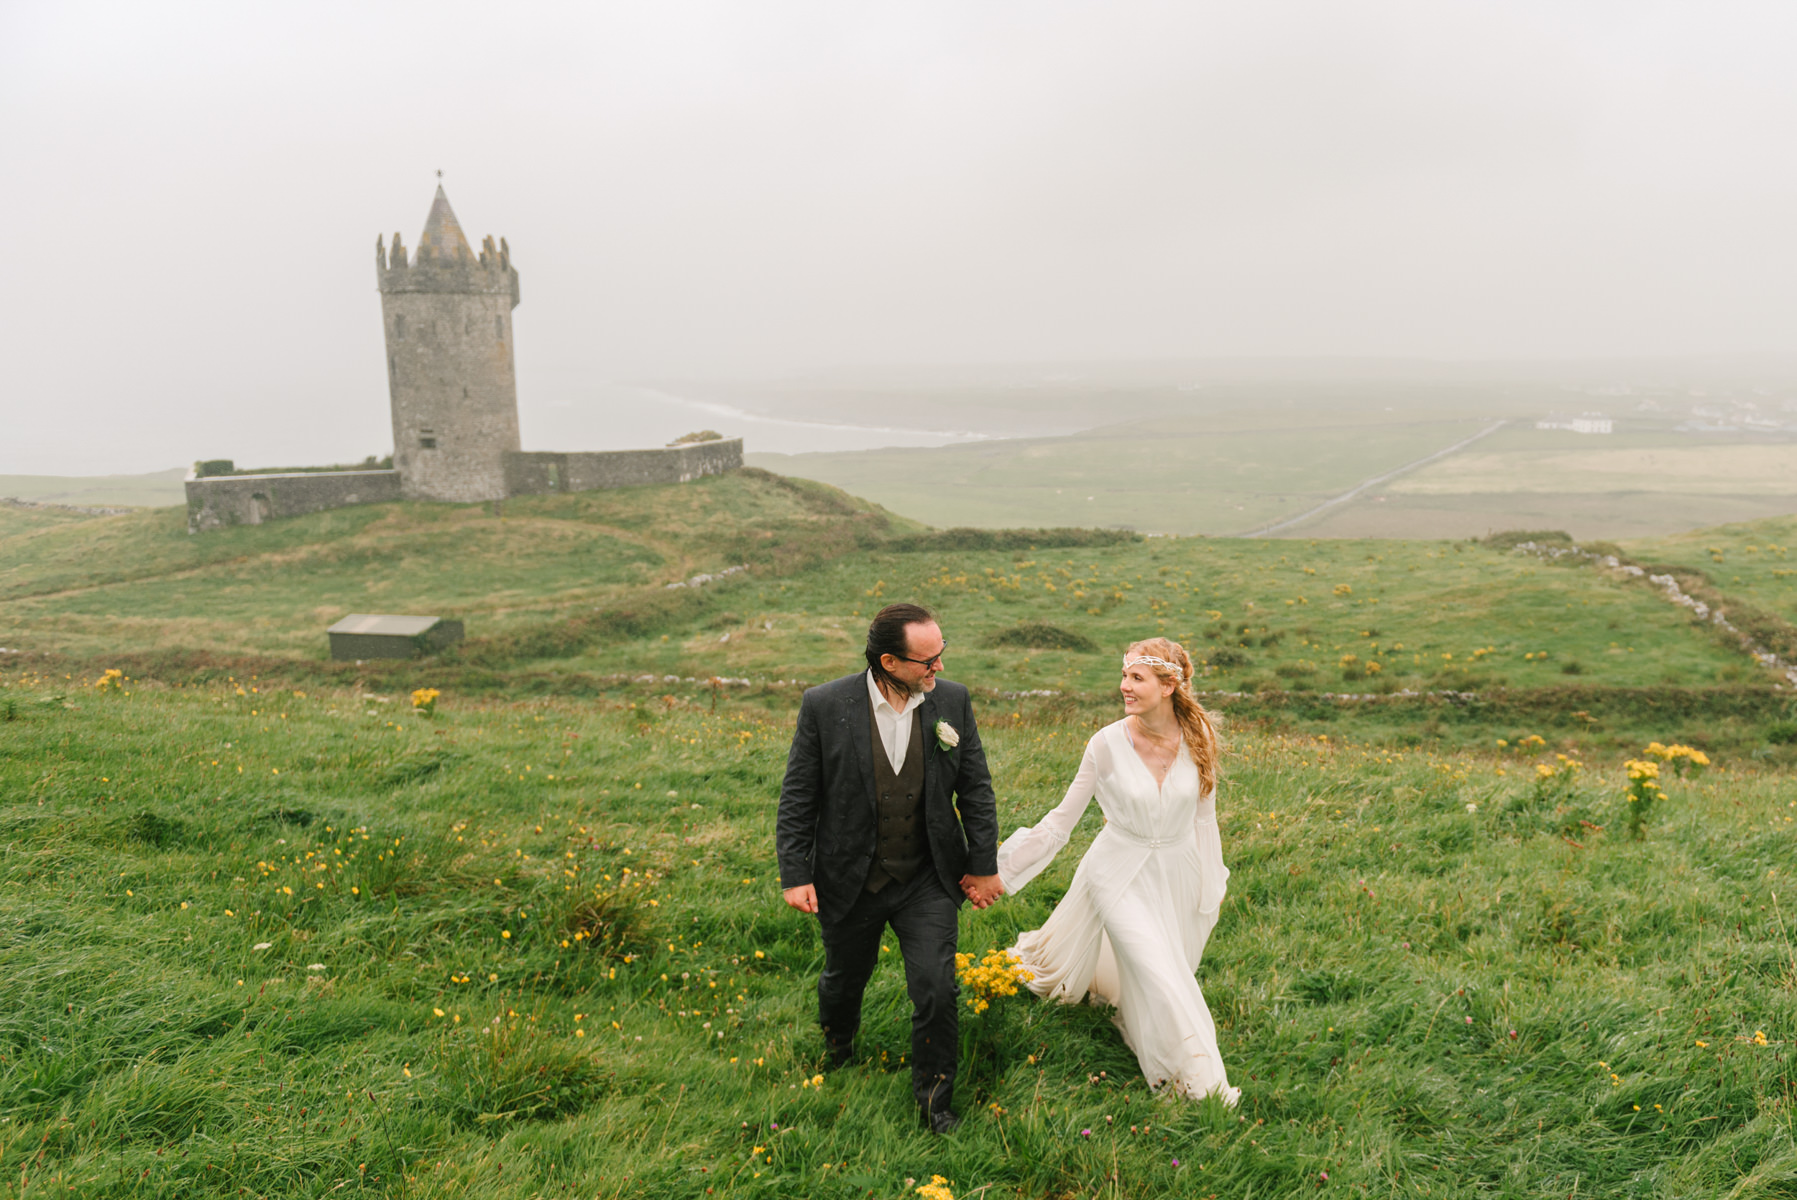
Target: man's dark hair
886, 635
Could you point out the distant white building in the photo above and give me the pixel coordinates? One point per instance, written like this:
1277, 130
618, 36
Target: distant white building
1583, 423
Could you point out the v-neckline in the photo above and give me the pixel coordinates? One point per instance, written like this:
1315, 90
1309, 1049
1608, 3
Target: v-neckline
1160, 785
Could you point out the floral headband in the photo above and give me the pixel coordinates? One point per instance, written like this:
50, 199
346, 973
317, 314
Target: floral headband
1152, 661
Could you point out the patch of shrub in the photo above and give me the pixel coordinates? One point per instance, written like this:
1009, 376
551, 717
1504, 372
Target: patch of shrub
510, 1069
1460, 679
153, 829
1327, 987
414, 765
608, 923
1011, 539
1040, 635
289, 816
1509, 539
1229, 657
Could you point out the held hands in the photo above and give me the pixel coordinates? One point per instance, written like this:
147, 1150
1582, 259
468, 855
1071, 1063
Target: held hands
982, 890
803, 897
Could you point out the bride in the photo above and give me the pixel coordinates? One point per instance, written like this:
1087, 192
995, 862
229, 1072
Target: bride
1132, 927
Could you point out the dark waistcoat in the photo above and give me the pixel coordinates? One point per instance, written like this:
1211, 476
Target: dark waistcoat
903, 846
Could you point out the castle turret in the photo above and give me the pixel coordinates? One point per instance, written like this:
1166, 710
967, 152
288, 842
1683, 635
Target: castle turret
448, 316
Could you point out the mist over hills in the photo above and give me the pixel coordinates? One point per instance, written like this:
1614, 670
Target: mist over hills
1218, 446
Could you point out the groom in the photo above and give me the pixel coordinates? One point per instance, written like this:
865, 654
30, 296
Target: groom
887, 818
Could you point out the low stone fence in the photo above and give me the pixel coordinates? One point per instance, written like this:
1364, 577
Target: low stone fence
216, 501
532, 472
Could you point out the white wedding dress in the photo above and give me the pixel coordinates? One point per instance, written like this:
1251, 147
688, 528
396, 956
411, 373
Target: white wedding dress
1132, 927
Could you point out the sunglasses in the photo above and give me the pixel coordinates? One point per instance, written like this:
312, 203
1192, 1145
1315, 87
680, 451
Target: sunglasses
935, 660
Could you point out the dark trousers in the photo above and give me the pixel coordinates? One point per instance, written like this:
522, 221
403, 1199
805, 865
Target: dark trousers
923, 916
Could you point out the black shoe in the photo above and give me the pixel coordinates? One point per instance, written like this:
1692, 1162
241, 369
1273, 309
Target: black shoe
943, 1120
837, 1057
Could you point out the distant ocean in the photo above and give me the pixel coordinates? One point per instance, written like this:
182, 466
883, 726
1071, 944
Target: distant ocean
623, 416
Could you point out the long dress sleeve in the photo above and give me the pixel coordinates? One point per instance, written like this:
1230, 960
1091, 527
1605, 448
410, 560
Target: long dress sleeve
1024, 854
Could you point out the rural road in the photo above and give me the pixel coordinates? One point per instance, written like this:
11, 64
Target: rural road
1364, 484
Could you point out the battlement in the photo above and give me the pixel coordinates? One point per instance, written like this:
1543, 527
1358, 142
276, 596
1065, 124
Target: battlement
455, 272
444, 262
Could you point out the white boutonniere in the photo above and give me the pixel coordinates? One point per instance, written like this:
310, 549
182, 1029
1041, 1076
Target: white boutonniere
947, 736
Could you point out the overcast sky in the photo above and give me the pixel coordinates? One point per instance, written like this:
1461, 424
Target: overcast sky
192, 193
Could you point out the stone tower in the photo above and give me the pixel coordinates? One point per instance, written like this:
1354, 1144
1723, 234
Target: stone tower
448, 316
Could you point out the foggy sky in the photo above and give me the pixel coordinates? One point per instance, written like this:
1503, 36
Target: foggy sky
192, 193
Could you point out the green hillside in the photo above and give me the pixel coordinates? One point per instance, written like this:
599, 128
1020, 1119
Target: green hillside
1237, 457
139, 582
279, 941
268, 931
562, 592
1750, 561
1168, 474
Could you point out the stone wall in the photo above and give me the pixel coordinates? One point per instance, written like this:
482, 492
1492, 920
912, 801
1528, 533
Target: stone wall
221, 500
533, 472
218, 501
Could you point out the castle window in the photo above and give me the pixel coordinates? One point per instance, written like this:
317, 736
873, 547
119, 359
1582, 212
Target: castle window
399, 328
427, 440
499, 327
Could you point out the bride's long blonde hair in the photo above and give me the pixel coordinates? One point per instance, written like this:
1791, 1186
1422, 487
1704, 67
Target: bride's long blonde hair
1196, 725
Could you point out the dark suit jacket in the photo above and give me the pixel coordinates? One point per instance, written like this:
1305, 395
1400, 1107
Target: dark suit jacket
828, 823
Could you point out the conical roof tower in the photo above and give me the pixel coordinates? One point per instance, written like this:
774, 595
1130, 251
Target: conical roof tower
448, 317
442, 237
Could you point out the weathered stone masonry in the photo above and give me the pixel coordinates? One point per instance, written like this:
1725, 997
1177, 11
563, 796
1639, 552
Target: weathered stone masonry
536, 472
448, 318
447, 313
217, 501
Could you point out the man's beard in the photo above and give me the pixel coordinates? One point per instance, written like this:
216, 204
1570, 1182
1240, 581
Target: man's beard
909, 688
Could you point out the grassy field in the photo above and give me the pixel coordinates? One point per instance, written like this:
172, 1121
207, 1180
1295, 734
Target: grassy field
1749, 560
1174, 474
1232, 458
267, 931
273, 943
85, 585
1607, 515
570, 594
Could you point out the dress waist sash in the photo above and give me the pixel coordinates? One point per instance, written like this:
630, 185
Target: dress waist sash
1187, 834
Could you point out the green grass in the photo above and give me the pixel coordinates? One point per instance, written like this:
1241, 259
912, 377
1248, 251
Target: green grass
1265, 614
1164, 475
577, 584
1751, 561
230, 918
1233, 458
1607, 515
141, 579
1405, 895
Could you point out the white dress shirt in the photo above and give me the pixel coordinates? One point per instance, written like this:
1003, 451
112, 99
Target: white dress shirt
894, 724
